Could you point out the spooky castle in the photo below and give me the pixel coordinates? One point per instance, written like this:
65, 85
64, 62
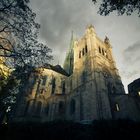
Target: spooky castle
87, 88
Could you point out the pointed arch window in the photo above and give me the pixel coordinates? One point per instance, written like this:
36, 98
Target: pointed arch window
53, 85
47, 109
38, 87
99, 49
44, 80
72, 106
80, 54
27, 108
83, 52
63, 88
103, 52
117, 107
61, 107
86, 50
38, 108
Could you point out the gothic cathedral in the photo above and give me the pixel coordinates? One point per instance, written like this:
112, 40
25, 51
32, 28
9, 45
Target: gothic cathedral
87, 88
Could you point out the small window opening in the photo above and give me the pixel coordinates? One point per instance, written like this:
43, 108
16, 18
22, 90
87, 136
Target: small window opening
117, 107
86, 49
99, 50
103, 51
83, 52
80, 54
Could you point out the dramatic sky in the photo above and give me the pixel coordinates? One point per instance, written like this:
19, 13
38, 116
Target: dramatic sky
59, 17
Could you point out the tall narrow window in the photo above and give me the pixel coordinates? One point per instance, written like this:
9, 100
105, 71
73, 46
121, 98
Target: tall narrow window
63, 88
27, 108
42, 90
99, 49
83, 52
86, 50
38, 87
103, 51
72, 106
31, 83
83, 77
80, 54
44, 80
38, 108
47, 109
61, 107
53, 85
117, 107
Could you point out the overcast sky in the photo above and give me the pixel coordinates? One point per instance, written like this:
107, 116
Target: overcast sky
59, 17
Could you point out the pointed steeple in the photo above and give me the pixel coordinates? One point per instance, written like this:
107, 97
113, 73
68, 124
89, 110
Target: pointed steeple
68, 63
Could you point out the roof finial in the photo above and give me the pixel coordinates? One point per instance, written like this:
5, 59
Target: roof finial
106, 40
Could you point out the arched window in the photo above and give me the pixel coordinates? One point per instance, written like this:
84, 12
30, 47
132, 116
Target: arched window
83, 52
99, 49
38, 87
44, 80
83, 77
86, 50
53, 85
63, 88
117, 107
31, 83
38, 108
47, 109
80, 54
27, 108
72, 106
41, 91
61, 107
103, 51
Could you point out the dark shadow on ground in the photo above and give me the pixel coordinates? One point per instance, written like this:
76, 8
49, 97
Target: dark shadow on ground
64, 130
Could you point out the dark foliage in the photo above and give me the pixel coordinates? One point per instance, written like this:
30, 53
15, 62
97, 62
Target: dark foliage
121, 129
19, 46
121, 6
19, 35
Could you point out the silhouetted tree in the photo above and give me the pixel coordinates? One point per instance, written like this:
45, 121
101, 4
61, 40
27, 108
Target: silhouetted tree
19, 35
19, 46
121, 6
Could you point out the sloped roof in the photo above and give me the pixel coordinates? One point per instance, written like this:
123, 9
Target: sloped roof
56, 68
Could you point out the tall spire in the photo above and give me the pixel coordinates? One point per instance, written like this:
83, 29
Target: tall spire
68, 63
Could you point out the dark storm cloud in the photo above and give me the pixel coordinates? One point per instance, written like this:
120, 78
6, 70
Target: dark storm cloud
59, 17
132, 54
131, 59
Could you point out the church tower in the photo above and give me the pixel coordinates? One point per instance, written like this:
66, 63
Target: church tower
92, 54
97, 75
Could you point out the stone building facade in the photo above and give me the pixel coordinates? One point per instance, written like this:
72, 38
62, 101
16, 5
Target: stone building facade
87, 88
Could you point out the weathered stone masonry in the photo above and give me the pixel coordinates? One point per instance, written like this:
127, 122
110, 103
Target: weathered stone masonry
87, 88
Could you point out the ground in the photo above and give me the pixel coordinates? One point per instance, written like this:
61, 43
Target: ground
121, 129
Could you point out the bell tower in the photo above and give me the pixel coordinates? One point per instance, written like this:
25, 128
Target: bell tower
96, 73
93, 55
83, 50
